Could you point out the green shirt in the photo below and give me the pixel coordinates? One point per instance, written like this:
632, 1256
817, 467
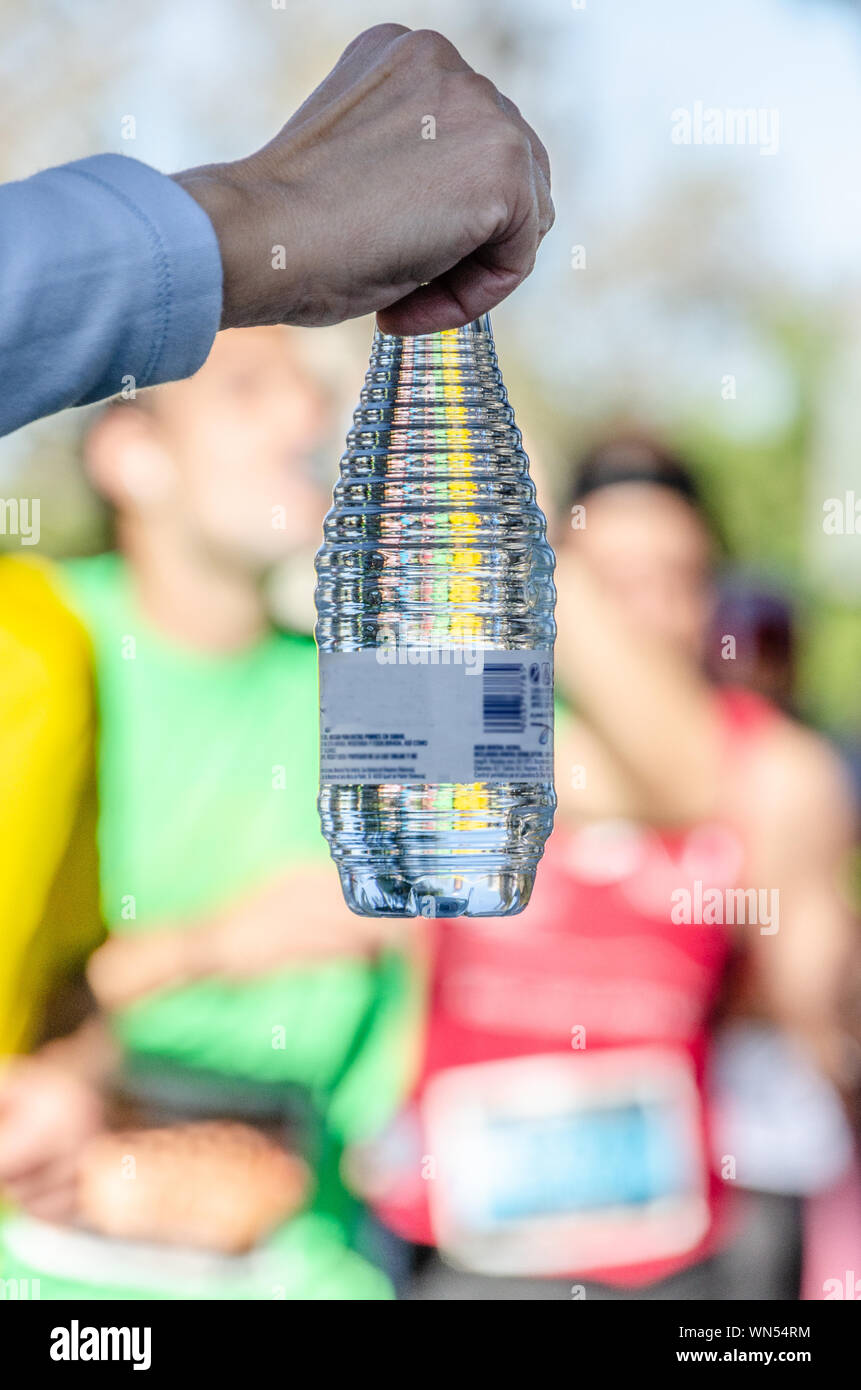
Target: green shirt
208, 768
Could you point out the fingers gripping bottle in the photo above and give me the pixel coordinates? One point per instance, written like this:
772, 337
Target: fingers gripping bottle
435, 630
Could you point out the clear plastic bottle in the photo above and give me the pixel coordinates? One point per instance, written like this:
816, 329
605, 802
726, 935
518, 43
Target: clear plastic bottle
435, 630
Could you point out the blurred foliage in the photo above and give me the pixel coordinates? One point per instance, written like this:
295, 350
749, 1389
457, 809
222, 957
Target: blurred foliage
760, 495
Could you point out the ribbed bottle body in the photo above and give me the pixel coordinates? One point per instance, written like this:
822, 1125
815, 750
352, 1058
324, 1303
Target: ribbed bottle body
436, 789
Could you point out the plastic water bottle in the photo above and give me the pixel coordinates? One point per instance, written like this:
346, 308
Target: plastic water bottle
435, 630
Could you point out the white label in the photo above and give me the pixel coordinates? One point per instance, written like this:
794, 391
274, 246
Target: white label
430, 715
555, 1162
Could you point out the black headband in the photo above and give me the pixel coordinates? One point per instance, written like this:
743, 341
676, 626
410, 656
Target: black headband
655, 470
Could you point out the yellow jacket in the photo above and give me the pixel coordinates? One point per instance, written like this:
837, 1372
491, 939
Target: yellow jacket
48, 876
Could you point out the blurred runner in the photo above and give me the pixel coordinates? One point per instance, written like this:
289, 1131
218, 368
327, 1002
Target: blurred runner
762, 624
773, 1109
557, 1144
237, 1041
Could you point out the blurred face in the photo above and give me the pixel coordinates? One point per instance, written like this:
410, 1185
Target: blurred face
653, 553
240, 436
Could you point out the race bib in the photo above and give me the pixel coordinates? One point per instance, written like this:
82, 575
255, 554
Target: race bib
551, 1165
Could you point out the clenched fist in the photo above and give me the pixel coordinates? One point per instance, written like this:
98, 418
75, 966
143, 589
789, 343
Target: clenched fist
373, 215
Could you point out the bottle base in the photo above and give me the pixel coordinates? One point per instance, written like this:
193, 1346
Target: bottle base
501, 894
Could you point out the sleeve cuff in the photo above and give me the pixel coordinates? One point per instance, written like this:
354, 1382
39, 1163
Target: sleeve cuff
180, 277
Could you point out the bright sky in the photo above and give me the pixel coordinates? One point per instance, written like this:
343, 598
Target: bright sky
802, 57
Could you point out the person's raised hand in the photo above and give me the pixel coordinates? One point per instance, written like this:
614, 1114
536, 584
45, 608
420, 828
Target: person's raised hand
406, 184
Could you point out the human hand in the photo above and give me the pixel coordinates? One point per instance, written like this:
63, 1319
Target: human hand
47, 1115
429, 232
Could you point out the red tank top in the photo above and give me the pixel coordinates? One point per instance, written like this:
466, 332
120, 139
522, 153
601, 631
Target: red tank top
559, 1126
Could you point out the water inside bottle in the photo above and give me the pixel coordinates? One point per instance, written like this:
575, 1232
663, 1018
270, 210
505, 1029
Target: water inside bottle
435, 629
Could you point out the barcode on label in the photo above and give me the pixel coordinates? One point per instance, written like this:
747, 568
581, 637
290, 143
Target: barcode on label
504, 702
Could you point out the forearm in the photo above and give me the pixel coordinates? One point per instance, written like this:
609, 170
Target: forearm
118, 269
90, 1053
245, 257
296, 920
116, 278
299, 917
809, 1005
